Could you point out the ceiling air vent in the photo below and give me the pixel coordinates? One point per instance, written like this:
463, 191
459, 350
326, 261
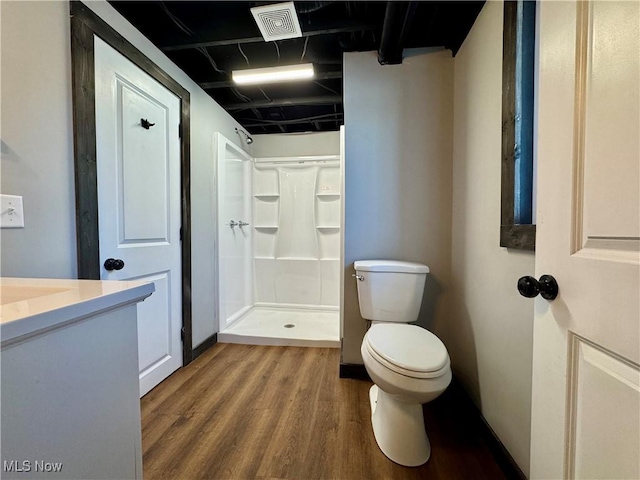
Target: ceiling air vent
278, 21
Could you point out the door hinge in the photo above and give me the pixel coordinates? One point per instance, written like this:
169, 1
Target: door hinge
182, 334
180, 130
180, 233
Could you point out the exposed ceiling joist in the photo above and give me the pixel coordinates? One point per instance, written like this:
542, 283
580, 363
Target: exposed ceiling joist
210, 39
285, 102
281, 125
228, 83
331, 117
357, 27
395, 29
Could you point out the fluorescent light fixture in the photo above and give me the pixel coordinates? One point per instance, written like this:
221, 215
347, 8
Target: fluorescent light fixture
285, 73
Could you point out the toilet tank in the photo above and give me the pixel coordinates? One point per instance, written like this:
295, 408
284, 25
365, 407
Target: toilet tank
390, 290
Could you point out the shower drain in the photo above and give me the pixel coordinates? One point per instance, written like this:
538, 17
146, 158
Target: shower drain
289, 325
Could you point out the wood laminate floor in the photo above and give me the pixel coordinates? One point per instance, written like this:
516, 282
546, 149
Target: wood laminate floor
259, 412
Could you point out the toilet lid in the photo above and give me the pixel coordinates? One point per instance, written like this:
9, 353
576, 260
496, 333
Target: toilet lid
407, 349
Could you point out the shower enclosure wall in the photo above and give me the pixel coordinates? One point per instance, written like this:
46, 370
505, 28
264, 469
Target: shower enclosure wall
283, 269
235, 268
297, 233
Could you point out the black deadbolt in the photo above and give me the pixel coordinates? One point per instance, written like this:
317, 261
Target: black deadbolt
547, 287
113, 264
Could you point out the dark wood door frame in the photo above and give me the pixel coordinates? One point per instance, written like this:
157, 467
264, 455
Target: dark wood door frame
512, 234
85, 25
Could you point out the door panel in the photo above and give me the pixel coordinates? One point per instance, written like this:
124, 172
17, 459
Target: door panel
139, 201
606, 131
604, 396
586, 374
608, 106
154, 319
146, 199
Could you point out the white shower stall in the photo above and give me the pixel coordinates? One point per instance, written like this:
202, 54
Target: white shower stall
279, 237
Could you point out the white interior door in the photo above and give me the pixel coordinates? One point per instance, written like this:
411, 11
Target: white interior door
586, 375
138, 169
234, 187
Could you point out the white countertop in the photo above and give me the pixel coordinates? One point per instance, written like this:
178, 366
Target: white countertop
31, 305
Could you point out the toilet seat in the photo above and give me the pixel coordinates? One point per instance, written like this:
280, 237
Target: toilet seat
408, 350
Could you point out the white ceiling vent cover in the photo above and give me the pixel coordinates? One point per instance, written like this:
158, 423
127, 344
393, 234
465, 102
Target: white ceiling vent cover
278, 21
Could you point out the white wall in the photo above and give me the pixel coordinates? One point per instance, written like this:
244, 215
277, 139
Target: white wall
489, 332
37, 151
295, 144
398, 127
37, 139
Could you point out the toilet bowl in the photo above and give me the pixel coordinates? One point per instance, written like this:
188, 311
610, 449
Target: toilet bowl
408, 364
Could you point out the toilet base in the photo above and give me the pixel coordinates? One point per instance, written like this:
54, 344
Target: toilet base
399, 429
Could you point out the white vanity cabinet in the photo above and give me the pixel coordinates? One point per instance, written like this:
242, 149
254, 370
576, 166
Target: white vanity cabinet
70, 404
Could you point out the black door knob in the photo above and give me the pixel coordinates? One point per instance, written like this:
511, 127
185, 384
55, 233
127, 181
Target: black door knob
547, 287
113, 264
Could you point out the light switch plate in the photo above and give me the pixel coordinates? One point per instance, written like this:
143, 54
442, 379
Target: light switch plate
11, 212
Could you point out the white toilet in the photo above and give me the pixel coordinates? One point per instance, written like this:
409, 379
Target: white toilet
408, 364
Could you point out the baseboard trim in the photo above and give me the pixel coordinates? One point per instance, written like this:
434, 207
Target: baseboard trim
353, 370
204, 346
500, 453
498, 450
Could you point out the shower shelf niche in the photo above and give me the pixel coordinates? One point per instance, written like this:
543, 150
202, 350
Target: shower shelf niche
297, 258
266, 227
267, 196
328, 227
329, 195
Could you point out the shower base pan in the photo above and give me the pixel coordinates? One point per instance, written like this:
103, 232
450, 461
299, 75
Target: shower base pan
285, 326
